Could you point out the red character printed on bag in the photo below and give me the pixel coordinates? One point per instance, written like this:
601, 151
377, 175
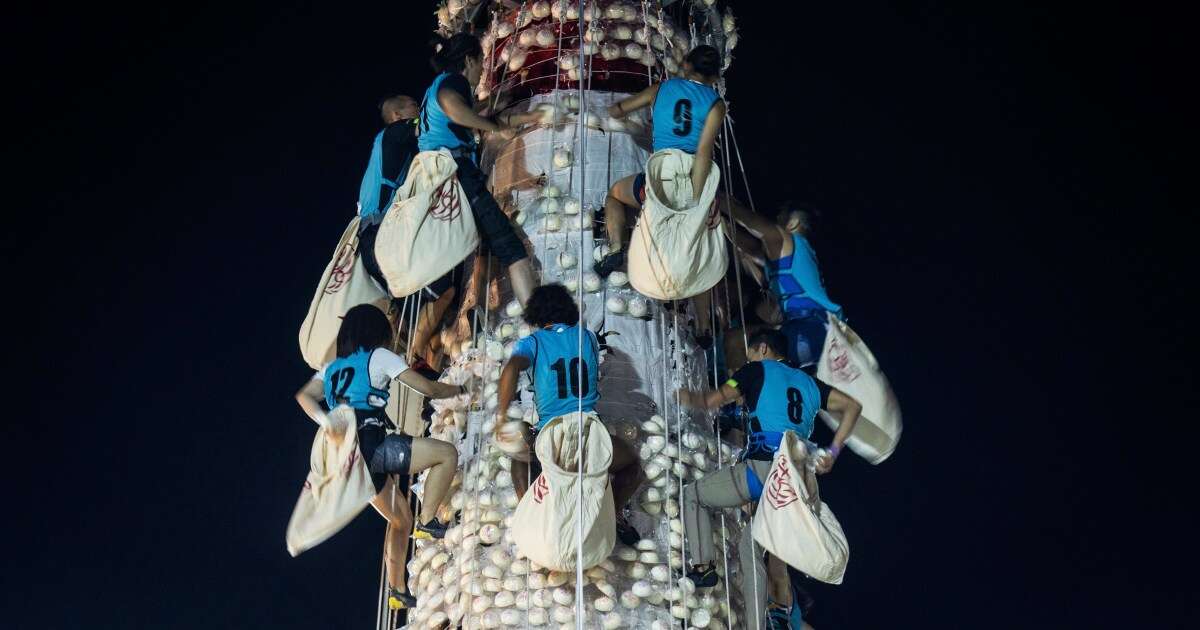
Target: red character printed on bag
446, 204
839, 362
350, 462
541, 489
343, 266
780, 491
714, 216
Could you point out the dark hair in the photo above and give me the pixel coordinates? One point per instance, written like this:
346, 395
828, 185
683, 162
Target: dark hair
811, 215
774, 339
705, 60
451, 53
551, 304
364, 326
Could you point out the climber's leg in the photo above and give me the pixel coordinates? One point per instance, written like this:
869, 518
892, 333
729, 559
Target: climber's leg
496, 230
366, 252
430, 320
780, 585
440, 459
723, 488
622, 195
704, 325
626, 472
393, 506
523, 473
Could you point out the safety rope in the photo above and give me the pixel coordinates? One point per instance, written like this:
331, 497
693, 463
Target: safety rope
664, 348
728, 132
410, 545
720, 465
677, 413
382, 591
737, 259
544, 246
649, 49
581, 133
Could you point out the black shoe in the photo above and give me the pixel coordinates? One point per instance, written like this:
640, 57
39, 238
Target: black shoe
779, 619
430, 530
400, 601
626, 533
610, 263
703, 578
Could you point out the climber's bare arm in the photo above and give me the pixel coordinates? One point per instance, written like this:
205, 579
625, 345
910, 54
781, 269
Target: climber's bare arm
508, 385
309, 398
704, 150
633, 103
463, 114
709, 399
428, 388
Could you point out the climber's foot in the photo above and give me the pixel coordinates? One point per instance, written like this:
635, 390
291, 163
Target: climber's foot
427, 531
703, 576
626, 533
398, 600
610, 263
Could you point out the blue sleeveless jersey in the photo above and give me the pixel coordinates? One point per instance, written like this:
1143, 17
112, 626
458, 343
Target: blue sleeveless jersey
348, 380
436, 130
797, 282
555, 361
368, 191
785, 400
680, 109
789, 400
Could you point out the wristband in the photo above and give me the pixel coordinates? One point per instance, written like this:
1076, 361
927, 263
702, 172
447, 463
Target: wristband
834, 450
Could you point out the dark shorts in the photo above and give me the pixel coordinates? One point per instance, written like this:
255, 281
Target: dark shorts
494, 227
366, 250
805, 333
385, 454
639, 187
535, 465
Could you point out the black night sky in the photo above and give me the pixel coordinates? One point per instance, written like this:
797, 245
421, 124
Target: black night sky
998, 188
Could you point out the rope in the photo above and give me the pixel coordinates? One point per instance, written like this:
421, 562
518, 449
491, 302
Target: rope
678, 413
410, 545
728, 132
649, 48
544, 247
402, 408
663, 345
582, 135
737, 259
720, 465
379, 600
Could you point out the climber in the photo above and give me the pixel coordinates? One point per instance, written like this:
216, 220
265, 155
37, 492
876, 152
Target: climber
359, 377
391, 154
778, 398
678, 106
387, 168
795, 282
447, 121
552, 352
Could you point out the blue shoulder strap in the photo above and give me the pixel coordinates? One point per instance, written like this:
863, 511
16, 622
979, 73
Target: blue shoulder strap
382, 393
752, 481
